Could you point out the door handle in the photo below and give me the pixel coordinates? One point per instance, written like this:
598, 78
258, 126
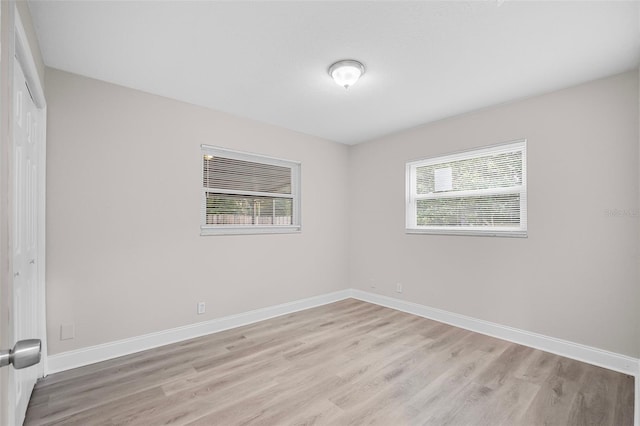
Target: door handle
24, 354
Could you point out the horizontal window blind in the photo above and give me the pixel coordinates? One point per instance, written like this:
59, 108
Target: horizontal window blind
238, 175
482, 191
248, 193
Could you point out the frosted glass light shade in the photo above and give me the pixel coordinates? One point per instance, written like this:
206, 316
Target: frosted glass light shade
346, 73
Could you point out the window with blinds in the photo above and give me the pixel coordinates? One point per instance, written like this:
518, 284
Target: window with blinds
246, 193
479, 192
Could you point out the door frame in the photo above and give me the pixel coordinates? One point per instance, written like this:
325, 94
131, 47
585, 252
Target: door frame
25, 58
14, 43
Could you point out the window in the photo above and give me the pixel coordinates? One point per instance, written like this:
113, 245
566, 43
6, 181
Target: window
479, 192
248, 194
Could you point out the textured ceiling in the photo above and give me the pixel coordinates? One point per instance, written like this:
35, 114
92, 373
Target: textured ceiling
268, 60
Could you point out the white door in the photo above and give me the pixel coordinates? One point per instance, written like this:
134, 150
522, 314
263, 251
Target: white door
28, 131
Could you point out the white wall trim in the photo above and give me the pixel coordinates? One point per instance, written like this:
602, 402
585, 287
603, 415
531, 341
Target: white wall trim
602, 358
636, 408
613, 361
27, 62
85, 356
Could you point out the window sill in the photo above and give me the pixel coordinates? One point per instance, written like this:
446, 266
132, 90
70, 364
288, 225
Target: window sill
249, 230
469, 232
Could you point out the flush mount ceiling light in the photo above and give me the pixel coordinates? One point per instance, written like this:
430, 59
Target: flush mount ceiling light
346, 72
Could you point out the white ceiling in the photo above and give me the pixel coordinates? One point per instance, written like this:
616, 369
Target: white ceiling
268, 60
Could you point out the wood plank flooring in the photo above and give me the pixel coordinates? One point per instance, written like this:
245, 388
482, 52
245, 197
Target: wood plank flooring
347, 363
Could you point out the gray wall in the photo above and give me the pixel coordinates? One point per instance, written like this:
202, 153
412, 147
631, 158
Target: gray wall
125, 257
576, 276
124, 254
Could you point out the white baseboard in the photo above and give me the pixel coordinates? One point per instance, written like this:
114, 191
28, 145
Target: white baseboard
613, 361
584, 353
78, 358
588, 354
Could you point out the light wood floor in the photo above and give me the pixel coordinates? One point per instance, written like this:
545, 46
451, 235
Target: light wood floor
346, 363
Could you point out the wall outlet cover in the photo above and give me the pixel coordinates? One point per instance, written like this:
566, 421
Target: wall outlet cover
67, 331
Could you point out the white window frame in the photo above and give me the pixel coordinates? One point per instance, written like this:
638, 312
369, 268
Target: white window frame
295, 167
412, 197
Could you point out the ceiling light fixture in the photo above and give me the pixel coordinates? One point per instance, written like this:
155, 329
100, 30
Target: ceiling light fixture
346, 72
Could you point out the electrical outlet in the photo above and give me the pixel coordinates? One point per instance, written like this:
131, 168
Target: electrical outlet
201, 308
67, 331
398, 287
